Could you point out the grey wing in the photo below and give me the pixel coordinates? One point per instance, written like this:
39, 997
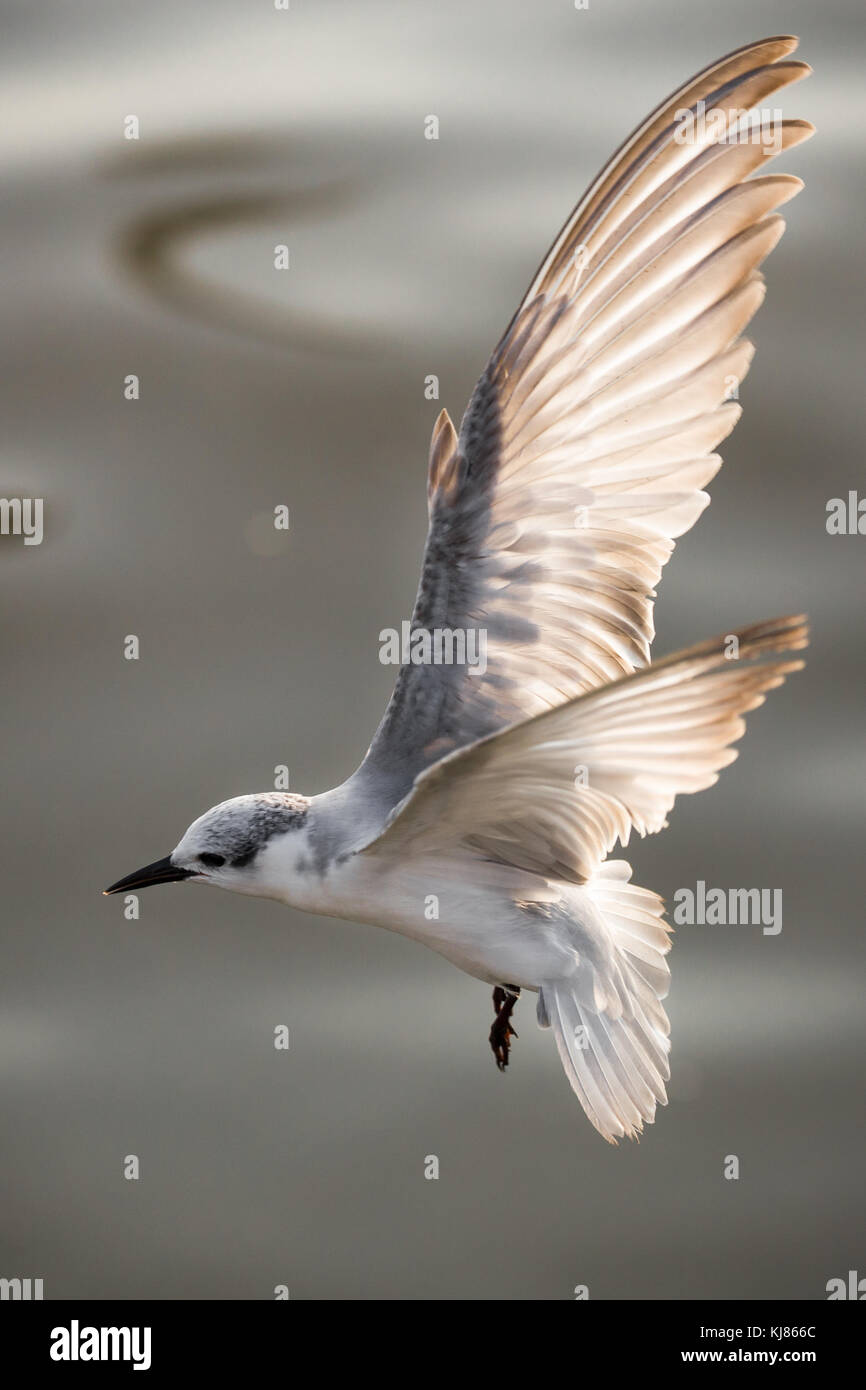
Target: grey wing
590, 435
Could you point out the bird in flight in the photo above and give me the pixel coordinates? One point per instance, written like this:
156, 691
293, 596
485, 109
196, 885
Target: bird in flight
481, 819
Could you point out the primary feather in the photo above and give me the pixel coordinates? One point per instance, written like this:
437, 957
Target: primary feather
589, 438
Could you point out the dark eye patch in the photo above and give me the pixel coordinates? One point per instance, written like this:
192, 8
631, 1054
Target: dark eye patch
212, 861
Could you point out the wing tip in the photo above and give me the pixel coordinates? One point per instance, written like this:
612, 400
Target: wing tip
443, 452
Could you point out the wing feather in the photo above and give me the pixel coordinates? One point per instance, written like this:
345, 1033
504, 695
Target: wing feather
591, 436
553, 795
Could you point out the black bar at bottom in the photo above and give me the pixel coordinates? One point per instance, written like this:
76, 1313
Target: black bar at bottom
162, 1338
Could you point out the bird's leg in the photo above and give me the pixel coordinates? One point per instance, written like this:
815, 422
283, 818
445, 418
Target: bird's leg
502, 1032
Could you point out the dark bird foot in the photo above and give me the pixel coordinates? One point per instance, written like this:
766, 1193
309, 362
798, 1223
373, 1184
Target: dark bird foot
502, 1032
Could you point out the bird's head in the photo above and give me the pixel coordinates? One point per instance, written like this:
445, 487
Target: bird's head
235, 845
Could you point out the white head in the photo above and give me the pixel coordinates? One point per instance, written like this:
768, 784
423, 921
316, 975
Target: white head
227, 846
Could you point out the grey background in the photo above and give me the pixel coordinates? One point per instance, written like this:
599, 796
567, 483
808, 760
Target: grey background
155, 1038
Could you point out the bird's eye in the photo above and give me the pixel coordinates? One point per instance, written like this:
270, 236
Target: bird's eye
212, 861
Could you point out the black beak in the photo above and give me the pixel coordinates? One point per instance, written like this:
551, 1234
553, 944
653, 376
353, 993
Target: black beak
162, 871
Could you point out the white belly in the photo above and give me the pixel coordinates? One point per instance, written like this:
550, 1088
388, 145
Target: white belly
463, 908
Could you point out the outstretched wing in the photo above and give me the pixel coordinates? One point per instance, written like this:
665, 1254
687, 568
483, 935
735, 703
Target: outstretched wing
554, 794
588, 440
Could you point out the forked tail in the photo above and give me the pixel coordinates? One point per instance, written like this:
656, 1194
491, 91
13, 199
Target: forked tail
611, 1030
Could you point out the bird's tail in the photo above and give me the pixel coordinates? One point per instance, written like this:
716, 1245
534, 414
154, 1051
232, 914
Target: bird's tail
608, 1021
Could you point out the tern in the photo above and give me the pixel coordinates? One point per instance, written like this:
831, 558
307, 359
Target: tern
482, 816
